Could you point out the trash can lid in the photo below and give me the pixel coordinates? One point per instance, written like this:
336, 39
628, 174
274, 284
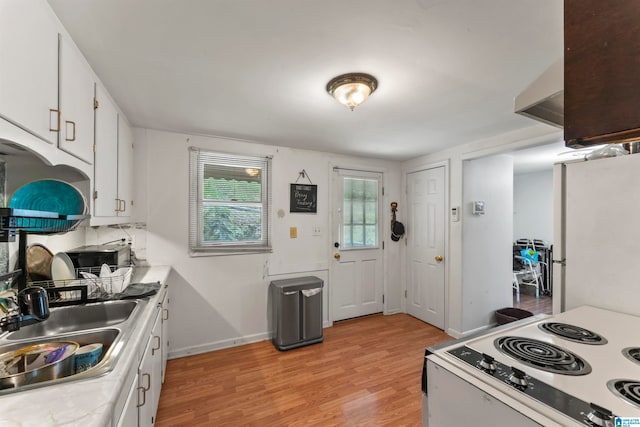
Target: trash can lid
298, 283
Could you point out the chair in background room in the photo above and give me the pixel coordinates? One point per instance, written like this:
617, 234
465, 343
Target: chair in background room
542, 264
528, 272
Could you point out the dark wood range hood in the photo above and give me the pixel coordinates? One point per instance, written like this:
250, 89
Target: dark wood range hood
601, 72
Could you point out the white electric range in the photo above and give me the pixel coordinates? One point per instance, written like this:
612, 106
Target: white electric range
578, 368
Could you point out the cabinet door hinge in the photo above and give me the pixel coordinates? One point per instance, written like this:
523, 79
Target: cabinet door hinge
95, 194
96, 104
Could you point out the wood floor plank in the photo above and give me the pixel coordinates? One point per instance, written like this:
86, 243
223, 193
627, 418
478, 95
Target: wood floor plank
542, 304
366, 373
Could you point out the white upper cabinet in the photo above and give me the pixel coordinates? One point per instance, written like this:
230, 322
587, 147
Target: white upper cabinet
125, 168
53, 104
29, 67
76, 102
105, 196
113, 166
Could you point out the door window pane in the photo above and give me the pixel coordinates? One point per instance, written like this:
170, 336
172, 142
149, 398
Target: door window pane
360, 213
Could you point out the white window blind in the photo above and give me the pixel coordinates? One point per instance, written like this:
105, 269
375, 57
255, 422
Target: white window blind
229, 203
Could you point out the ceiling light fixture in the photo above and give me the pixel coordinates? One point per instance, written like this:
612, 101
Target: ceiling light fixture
352, 89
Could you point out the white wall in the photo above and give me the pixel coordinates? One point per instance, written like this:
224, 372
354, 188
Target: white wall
533, 205
222, 301
536, 134
487, 244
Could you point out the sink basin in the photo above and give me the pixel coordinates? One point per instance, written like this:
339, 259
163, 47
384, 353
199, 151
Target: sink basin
108, 337
63, 320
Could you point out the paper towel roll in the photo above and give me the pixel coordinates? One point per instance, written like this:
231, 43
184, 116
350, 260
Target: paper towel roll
87, 356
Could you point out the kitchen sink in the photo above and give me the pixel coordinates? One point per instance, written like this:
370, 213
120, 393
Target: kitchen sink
75, 318
110, 323
108, 337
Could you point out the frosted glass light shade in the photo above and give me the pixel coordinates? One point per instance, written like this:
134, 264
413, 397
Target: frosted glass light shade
352, 89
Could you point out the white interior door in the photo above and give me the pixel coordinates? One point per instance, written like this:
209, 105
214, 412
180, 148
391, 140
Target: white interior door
356, 266
425, 242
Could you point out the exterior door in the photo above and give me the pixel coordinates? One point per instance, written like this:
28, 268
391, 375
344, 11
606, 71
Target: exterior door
425, 241
356, 266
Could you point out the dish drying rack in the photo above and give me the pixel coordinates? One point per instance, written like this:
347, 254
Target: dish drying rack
20, 222
81, 289
35, 222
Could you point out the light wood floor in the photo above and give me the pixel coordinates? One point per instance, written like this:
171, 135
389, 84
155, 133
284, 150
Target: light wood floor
366, 373
544, 304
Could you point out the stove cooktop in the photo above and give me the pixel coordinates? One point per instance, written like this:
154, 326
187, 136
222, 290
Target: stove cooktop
563, 357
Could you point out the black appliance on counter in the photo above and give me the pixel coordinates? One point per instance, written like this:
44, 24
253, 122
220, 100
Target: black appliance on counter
115, 254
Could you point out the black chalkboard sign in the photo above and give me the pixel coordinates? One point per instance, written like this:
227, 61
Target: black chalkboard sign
303, 198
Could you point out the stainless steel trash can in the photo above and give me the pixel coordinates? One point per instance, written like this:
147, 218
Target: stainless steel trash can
297, 312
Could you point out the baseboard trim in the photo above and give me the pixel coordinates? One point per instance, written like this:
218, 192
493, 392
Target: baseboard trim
458, 334
218, 345
228, 343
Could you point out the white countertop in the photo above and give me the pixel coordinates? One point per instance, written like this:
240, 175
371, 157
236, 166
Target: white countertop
86, 402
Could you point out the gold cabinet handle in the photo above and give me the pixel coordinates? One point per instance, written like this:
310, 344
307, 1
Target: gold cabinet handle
336, 255
148, 382
57, 128
73, 124
144, 397
153, 350
117, 205
438, 258
124, 205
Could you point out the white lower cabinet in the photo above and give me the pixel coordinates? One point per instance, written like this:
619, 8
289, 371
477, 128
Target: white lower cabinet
143, 394
150, 376
165, 334
129, 415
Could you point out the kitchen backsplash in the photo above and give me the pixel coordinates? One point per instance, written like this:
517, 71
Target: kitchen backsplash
135, 233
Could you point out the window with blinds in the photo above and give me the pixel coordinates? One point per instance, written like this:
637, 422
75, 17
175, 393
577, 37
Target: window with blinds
229, 204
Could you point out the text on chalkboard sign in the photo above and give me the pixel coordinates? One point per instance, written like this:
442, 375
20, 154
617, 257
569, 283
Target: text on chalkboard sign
303, 198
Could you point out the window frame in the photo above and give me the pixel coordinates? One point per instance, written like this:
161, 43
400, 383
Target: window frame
198, 158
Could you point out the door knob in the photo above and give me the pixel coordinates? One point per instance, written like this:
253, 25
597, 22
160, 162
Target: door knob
438, 258
336, 255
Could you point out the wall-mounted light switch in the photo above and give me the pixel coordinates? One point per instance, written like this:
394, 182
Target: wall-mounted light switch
316, 230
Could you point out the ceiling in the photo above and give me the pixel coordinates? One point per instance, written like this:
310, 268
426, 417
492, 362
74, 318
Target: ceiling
448, 70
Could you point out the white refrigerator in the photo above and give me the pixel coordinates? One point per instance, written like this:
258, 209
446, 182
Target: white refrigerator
596, 256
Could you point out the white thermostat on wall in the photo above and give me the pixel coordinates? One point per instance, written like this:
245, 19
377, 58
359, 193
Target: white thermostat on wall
478, 207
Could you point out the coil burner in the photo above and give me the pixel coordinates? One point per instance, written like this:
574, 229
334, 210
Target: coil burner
542, 355
573, 333
632, 353
629, 390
